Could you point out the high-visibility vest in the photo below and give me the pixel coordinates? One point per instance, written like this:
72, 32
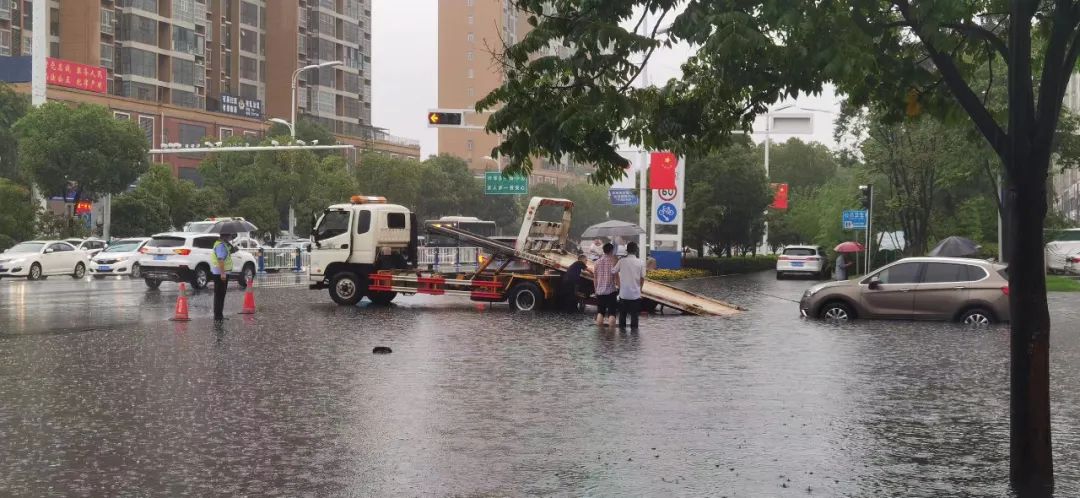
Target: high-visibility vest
214, 257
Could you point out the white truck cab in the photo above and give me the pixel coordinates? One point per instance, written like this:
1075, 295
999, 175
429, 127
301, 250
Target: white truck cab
352, 240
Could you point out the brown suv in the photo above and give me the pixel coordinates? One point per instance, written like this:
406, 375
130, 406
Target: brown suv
971, 291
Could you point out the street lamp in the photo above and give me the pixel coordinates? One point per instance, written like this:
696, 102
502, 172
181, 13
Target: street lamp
295, 77
283, 122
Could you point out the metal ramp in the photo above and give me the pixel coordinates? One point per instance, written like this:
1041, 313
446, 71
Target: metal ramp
666, 295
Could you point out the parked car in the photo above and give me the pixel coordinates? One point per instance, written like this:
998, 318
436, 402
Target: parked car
40, 259
120, 258
801, 260
304, 245
186, 257
247, 244
90, 246
204, 226
1065, 244
970, 291
1072, 263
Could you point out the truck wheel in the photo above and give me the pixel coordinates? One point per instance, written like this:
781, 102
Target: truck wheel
152, 283
382, 298
346, 289
526, 296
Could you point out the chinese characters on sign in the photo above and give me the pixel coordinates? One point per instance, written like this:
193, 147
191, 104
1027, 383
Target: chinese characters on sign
623, 197
854, 219
60, 72
495, 184
248, 108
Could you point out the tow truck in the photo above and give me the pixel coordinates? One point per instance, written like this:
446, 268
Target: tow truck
368, 248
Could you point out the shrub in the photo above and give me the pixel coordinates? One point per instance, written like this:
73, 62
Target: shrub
671, 275
730, 266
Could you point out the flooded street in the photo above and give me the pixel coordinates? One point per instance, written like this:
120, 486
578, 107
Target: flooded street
103, 396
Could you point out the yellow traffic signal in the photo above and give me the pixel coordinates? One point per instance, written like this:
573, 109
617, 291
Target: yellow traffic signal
444, 118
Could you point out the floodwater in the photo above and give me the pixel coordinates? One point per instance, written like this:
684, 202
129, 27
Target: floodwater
100, 395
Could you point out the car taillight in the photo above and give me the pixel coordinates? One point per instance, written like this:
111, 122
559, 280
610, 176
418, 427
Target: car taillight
813, 258
182, 252
784, 258
1005, 290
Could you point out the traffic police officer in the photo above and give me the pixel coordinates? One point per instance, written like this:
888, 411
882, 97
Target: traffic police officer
221, 264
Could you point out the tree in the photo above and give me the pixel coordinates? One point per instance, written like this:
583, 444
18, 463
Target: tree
16, 214
306, 130
61, 146
801, 165
137, 216
332, 185
726, 197
13, 106
158, 202
898, 57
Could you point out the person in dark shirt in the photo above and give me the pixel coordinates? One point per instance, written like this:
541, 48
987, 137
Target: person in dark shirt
570, 282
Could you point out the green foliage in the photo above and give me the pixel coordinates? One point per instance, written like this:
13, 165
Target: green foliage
306, 130
731, 266
726, 197
814, 216
54, 226
158, 203
1057, 283
332, 184
84, 145
13, 106
138, 215
801, 165
16, 213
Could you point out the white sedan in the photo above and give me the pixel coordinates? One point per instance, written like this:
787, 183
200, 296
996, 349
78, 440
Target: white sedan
38, 259
120, 258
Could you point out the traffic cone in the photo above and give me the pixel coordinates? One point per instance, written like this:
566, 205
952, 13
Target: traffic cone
181, 313
249, 299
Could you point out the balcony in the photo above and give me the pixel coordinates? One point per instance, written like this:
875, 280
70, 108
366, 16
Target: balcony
5, 10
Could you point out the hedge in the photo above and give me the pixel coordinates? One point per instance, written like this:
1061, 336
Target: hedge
729, 266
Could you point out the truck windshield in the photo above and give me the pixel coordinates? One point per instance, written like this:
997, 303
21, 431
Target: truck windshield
332, 224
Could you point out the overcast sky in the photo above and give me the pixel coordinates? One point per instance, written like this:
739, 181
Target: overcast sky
404, 74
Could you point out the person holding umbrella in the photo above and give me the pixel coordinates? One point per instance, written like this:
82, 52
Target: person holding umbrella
842, 264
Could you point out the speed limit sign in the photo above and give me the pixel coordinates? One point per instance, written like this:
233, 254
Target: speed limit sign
667, 194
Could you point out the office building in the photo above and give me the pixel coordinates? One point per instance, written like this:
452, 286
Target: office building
190, 69
470, 31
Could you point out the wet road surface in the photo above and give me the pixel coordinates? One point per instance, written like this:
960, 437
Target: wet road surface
103, 396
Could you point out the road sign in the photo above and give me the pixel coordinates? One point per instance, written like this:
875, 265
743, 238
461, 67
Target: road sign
668, 194
496, 184
623, 197
666, 213
854, 219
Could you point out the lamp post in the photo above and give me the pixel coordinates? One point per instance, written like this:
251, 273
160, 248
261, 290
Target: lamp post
295, 77
286, 124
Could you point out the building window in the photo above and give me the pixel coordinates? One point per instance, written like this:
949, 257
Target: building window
352, 33
470, 73
352, 107
249, 41
352, 83
249, 91
139, 29
5, 43
469, 20
183, 11
108, 21
472, 92
139, 91
185, 99
138, 62
147, 5
469, 145
327, 24
471, 38
470, 3
249, 68
146, 123
251, 134
225, 133
121, 116
191, 134
249, 14
183, 71
469, 55
184, 40
326, 104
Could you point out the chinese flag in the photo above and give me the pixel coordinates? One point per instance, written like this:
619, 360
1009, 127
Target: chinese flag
780, 196
662, 166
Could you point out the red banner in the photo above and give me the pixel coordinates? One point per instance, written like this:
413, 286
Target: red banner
662, 166
780, 196
60, 72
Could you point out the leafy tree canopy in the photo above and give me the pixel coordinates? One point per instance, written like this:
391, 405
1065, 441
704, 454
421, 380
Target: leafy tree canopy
61, 145
16, 214
13, 106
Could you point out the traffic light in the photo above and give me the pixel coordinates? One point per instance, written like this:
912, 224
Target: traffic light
867, 196
438, 118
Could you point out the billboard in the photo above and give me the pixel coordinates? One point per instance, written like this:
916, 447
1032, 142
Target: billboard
248, 108
69, 74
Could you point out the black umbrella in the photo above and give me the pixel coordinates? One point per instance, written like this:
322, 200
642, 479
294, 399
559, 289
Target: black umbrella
956, 247
232, 226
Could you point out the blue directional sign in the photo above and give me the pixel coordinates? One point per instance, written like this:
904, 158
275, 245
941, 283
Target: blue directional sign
623, 197
666, 212
854, 219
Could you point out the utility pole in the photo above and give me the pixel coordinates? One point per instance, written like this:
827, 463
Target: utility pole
39, 53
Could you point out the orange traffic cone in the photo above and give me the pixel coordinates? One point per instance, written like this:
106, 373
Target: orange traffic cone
249, 299
181, 313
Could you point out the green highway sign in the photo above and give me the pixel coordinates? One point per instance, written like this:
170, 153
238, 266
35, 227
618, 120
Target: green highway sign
495, 184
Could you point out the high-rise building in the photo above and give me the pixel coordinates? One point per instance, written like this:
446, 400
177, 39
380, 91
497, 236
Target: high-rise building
190, 69
1067, 183
471, 32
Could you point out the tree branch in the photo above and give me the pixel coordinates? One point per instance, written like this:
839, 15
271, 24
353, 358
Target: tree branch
648, 55
1057, 68
982, 33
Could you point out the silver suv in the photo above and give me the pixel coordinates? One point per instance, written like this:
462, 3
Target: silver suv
971, 291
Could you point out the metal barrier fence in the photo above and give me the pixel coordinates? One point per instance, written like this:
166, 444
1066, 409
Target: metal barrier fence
456, 258
280, 280
281, 259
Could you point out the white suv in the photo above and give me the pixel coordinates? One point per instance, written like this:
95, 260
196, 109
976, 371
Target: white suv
185, 256
802, 260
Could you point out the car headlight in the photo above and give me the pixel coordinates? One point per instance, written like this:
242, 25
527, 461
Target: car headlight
16, 261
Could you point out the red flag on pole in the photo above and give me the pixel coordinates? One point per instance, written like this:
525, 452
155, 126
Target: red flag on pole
780, 196
662, 166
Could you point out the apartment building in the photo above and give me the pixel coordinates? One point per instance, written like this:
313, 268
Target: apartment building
1067, 183
224, 65
470, 32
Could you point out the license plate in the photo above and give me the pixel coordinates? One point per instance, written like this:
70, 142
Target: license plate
160, 257
104, 268
796, 264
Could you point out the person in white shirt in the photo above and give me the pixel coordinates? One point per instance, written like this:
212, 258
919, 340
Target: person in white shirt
629, 278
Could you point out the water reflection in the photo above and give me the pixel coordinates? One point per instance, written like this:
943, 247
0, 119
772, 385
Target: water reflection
483, 401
